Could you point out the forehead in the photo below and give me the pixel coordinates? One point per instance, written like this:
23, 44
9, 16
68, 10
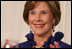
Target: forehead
41, 5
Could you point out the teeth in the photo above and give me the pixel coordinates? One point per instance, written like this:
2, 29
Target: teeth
38, 25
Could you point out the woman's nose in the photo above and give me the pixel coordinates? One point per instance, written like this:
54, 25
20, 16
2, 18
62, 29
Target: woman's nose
37, 18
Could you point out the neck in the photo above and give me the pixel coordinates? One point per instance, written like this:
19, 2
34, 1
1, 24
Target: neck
41, 39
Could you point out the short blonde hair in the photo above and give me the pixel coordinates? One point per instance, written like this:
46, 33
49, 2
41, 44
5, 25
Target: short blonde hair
53, 5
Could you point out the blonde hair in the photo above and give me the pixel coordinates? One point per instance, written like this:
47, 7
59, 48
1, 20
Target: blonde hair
53, 5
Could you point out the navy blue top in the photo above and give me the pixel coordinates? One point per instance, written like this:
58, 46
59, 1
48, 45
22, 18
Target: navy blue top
30, 43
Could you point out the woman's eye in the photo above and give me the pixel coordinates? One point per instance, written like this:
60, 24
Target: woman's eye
32, 13
44, 13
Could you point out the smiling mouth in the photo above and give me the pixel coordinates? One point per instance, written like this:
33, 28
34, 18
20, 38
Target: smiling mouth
39, 25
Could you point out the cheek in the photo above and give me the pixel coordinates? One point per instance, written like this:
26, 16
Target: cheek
31, 19
48, 19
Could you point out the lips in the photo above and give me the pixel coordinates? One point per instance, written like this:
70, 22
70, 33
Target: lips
39, 25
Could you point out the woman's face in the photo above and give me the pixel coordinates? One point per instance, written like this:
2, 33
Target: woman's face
41, 18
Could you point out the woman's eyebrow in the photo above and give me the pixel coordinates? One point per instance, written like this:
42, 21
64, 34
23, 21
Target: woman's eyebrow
44, 10
32, 10
40, 11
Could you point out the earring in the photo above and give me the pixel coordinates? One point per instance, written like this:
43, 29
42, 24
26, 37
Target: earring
53, 27
30, 30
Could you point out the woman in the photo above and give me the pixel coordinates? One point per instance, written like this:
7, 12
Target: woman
42, 16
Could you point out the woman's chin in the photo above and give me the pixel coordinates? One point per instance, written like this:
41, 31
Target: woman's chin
39, 33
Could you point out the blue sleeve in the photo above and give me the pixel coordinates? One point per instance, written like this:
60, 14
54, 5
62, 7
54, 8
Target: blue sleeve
64, 45
21, 45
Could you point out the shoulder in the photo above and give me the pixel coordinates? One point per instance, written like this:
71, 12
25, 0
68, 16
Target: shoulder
64, 45
21, 45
